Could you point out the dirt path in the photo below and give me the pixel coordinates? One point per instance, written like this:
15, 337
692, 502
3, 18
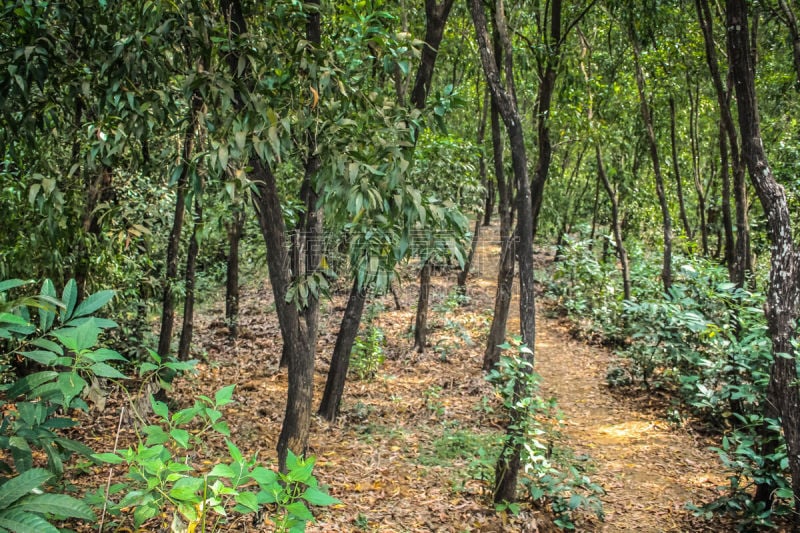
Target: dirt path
648, 468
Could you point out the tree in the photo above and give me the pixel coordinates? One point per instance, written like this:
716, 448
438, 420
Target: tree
783, 295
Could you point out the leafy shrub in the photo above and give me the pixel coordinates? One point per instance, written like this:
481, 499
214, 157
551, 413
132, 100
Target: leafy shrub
550, 473
160, 478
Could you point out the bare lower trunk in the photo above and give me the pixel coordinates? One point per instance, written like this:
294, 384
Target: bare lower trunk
340, 360
187, 329
173, 244
421, 322
235, 228
464, 273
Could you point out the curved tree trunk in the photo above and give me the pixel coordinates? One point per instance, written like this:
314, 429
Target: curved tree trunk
783, 295
622, 253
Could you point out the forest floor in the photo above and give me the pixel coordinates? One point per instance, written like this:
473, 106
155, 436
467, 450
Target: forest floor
404, 454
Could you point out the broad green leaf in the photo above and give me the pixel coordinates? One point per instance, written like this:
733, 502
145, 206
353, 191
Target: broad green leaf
315, 496
9, 284
223, 396
22, 522
159, 408
181, 436
30, 383
223, 471
300, 510
187, 488
247, 500
107, 457
93, 302
106, 371
69, 296
47, 344
61, 505
17, 487
42, 357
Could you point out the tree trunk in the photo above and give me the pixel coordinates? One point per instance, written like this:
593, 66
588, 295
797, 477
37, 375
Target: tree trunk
507, 469
462, 276
791, 23
235, 228
727, 219
743, 257
694, 100
340, 361
173, 244
297, 418
783, 294
421, 322
622, 253
489, 204
687, 229
666, 270
187, 330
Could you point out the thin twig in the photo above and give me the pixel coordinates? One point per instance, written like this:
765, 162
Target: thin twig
111, 471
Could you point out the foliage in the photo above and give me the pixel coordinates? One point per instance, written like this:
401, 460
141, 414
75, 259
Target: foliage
550, 473
161, 478
367, 354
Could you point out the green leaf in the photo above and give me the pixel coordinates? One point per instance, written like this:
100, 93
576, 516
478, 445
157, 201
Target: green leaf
71, 385
105, 354
159, 408
315, 496
69, 296
29, 383
300, 510
143, 513
42, 357
181, 436
247, 500
187, 488
9, 284
107, 457
106, 371
47, 344
17, 487
61, 505
46, 316
9, 318
93, 302
264, 476
223, 471
22, 522
223, 396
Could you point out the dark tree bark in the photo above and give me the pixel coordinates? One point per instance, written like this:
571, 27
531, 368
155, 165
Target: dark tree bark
187, 329
622, 253
235, 228
666, 270
297, 418
421, 322
489, 204
727, 219
694, 105
791, 23
505, 271
742, 257
507, 469
436, 17
173, 244
783, 294
483, 112
676, 168
340, 360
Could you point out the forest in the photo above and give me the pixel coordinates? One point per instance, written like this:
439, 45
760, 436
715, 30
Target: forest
375, 265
